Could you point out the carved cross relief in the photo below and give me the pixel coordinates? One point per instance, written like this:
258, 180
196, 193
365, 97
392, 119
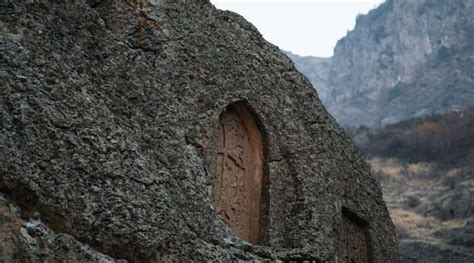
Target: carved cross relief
239, 170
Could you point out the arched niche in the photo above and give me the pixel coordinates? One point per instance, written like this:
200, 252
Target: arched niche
353, 239
239, 172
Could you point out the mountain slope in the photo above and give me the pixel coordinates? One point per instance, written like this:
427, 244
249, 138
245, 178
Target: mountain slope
405, 58
113, 115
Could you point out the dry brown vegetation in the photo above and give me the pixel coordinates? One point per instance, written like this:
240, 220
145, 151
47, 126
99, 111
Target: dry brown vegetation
442, 138
426, 169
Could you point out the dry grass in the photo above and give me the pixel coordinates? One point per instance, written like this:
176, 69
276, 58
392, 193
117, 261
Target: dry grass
417, 226
390, 167
421, 170
413, 223
412, 175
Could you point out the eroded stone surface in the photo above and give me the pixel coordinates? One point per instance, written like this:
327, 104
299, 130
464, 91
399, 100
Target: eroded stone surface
32, 241
109, 113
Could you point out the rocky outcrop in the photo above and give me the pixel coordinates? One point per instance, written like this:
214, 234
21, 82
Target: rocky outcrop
109, 115
404, 59
32, 241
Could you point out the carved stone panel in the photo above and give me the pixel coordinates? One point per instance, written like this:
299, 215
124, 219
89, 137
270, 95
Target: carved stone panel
352, 243
239, 169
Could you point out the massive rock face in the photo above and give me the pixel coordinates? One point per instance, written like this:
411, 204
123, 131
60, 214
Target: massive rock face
406, 58
109, 120
32, 241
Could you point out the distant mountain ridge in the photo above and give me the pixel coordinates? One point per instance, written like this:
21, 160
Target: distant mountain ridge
404, 59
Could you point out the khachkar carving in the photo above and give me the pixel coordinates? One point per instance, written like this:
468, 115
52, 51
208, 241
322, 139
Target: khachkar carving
239, 169
353, 242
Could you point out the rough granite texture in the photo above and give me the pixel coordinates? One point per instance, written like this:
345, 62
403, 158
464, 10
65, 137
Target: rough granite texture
32, 241
108, 117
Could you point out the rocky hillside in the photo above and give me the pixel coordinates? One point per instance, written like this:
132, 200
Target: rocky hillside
111, 130
406, 58
426, 169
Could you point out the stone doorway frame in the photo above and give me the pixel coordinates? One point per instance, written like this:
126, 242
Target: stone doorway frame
258, 140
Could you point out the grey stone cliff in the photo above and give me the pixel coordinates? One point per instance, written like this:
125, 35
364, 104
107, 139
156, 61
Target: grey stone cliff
404, 59
108, 116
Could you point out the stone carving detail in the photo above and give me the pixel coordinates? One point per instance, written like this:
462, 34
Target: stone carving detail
352, 243
239, 173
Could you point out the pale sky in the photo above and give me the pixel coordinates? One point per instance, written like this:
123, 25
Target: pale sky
304, 27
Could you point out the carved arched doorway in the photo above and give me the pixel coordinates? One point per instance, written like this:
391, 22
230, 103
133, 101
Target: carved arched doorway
353, 240
239, 172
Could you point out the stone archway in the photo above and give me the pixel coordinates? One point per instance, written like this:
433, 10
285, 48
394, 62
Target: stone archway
239, 172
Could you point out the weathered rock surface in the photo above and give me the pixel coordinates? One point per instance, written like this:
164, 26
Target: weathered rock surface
32, 241
404, 59
108, 119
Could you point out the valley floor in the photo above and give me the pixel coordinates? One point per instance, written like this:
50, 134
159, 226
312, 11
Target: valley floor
426, 170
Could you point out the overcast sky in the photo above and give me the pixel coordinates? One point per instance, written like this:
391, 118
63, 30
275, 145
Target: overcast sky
304, 27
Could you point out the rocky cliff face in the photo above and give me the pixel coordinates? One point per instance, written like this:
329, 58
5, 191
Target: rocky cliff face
29, 240
109, 112
406, 58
